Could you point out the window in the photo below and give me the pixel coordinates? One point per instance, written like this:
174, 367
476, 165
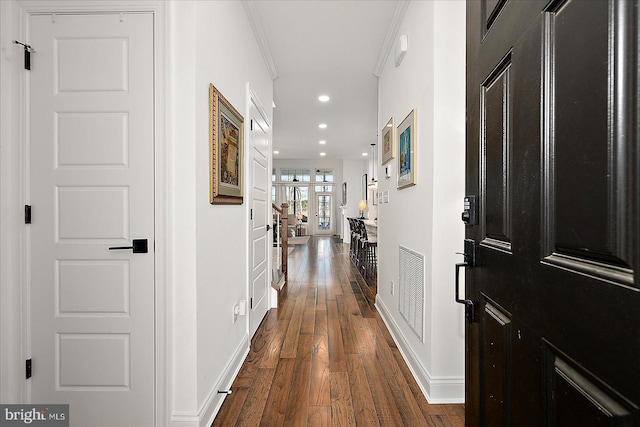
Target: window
295, 175
324, 175
298, 201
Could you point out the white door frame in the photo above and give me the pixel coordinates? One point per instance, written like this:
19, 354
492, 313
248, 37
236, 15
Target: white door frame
14, 166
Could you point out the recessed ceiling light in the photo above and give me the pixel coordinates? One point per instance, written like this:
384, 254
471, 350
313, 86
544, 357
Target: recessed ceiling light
323, 98
276, 152
322, 125
323, 154
322, 142
389, 125
365, 154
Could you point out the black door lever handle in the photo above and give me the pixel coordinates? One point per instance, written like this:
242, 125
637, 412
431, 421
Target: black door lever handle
139, 246
469, 312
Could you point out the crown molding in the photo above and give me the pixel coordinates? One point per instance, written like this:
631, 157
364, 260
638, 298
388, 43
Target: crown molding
392, 32
256, 25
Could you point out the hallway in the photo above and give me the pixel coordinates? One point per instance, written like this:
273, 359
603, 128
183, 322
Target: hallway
325, 357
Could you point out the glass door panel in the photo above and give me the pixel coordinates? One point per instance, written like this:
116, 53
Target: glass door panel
324, 213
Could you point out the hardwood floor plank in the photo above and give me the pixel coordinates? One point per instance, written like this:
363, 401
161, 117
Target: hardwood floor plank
365, 309
400, 391
427, 409
251, 412
319, 416
364, 409
320, 382
259, 346
309, 313
290, 344
341, 402
388, 413
272, 351
439, 421
455, 414
276, 404
298, 401
349, 341
321, 302
387, 335
321, 327
336, 349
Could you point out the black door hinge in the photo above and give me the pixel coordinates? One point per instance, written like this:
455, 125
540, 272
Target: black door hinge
251, 214
251, 303
28, 368
27, 214
251, 125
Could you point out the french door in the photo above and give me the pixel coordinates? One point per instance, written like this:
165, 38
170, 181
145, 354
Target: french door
324, 213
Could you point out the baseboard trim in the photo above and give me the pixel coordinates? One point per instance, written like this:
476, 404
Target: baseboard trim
437, 390
210, 408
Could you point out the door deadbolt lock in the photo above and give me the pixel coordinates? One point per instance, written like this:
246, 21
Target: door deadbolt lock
470, 213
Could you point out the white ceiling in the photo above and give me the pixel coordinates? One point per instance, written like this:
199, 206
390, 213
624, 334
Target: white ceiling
330, 47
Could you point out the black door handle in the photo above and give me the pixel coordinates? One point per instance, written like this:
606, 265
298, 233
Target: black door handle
469, 261
139, 246
268, 227
469, 312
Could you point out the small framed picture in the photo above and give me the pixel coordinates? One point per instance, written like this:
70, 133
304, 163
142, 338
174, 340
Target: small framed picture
388, 142
407, 147
226, 151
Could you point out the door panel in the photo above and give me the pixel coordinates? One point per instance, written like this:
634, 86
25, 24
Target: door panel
261, 208
496, 142
91, 187
552, 151
324, 213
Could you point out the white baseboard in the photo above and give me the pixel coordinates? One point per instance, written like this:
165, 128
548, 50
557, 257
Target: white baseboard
214, 401
437, 390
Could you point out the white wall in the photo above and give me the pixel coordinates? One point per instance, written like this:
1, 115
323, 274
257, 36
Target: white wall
352, 175
210, 242
426, 218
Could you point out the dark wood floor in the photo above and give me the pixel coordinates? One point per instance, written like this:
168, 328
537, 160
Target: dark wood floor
325, 357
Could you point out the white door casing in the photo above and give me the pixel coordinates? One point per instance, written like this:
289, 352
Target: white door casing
260, 204
91, 149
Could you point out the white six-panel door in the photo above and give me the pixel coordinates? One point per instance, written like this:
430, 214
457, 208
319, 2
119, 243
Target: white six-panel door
91, 184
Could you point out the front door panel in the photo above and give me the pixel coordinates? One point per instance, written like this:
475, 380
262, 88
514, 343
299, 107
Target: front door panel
552, 152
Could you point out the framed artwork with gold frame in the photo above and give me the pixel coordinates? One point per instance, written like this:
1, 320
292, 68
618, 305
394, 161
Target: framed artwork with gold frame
226, 151
388, 142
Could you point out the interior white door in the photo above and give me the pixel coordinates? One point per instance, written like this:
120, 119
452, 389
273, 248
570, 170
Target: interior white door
91, 145
261, 210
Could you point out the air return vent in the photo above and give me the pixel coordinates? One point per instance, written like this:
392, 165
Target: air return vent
411, 289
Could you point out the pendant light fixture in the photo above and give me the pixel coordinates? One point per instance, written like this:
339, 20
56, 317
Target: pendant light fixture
374, 180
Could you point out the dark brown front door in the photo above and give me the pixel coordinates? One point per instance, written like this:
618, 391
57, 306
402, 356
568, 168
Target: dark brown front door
553, 157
